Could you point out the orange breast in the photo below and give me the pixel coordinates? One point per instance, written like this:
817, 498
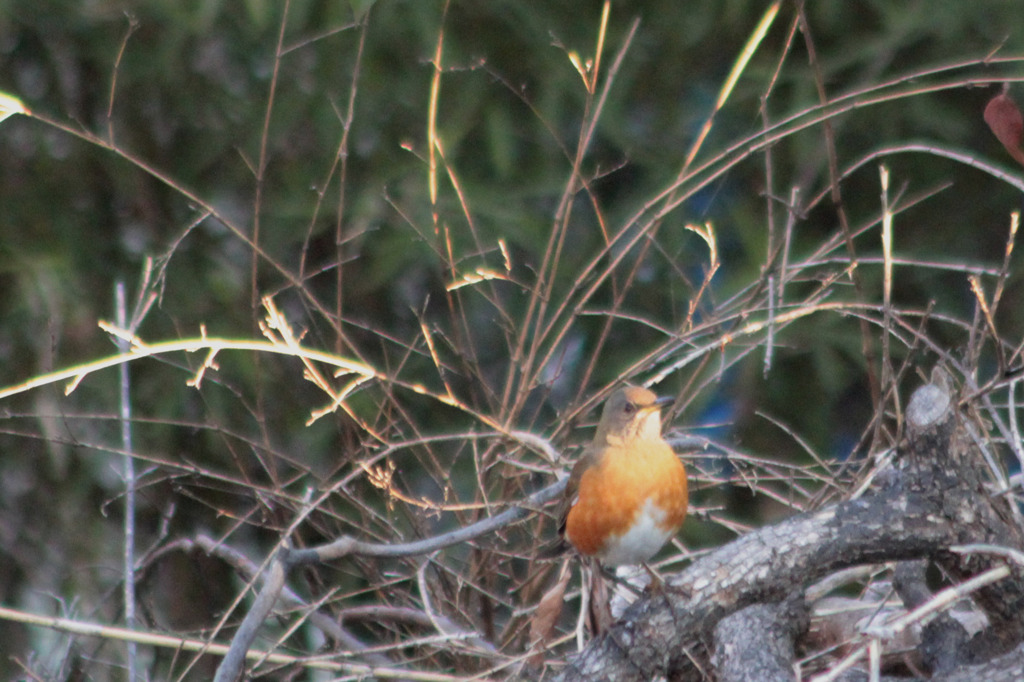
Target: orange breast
612, 497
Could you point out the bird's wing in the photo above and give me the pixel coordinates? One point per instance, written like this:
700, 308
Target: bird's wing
572, 488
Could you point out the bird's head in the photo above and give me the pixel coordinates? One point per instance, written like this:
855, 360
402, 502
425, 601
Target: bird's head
631, 412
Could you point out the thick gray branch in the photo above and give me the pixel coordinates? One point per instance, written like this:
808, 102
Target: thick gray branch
756, 643
668, 635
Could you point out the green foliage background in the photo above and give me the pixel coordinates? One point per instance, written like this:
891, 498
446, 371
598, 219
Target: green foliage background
191, 99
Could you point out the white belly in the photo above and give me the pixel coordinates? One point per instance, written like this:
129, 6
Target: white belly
640, 542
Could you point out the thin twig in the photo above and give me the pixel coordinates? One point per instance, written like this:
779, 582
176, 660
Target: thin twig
128, 474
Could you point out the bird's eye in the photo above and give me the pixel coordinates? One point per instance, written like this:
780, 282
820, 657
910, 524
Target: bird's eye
630, 408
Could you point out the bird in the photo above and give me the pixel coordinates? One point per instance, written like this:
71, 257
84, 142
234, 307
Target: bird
627, 494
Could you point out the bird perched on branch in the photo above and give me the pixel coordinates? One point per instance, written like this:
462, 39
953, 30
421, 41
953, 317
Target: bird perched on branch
627, 494
625, 498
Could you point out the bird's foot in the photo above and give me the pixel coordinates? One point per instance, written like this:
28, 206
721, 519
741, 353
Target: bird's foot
659, 587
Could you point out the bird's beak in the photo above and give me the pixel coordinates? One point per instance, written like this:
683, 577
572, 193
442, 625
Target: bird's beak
661, 402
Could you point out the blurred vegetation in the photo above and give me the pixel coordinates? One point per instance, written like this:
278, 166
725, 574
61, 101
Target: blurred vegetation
355, 256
